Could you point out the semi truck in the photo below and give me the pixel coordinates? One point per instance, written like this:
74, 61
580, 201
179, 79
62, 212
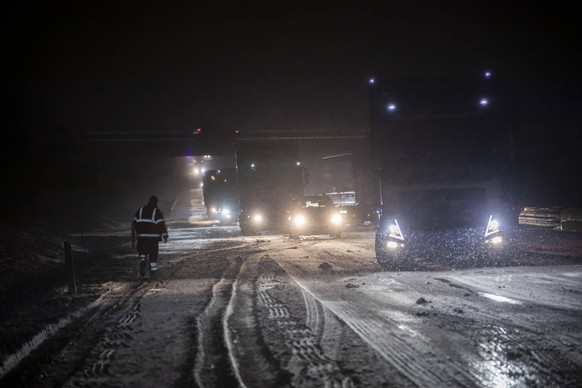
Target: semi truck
270, 182
220, 191
444, 153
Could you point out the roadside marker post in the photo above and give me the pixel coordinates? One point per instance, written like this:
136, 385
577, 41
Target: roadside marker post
70, 266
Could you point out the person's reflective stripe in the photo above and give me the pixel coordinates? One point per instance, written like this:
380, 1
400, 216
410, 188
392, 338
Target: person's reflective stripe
148, 235
142, 257
153, 265
146, 220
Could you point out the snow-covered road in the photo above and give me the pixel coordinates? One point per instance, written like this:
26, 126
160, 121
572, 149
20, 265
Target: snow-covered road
263, 311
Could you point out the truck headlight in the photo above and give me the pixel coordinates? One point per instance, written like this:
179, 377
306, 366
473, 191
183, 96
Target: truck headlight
395, 231
299, 220
492, 226
496, 240
226, 212
336, 218
391, 244
258, 219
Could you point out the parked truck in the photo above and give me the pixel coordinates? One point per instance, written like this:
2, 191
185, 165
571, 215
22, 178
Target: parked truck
270, 182
444, 152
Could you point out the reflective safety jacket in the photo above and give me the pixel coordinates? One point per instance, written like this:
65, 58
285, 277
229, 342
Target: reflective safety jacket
149, 222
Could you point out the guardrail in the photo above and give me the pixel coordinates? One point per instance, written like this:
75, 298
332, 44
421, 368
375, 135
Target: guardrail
552, 217
541, 216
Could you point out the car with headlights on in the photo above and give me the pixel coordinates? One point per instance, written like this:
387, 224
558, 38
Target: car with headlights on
314, 215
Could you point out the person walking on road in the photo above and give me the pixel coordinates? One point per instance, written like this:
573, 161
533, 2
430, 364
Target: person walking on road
150, 229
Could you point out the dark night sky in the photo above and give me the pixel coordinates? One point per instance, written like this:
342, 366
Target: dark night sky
166, 65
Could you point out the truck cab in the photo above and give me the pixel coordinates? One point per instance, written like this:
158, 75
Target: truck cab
220, 191
444, 152
269, 180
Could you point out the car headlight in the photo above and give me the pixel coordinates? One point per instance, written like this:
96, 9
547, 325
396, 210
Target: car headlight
226, 211
213, 210
492, 226
336, 218
257, 219
395, 231
299, 220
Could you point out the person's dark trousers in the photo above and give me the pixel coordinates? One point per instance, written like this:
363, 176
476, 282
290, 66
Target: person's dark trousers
149, 246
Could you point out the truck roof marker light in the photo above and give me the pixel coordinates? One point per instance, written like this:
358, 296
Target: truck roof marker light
391, 107
488, 74
371, 81
484, 101
395, 231
492, 226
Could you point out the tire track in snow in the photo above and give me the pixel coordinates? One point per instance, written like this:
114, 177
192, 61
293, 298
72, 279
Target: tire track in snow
252, 361
311, 365
107, 305
421, 363
126, 315
212, 365
512, 346
12, 361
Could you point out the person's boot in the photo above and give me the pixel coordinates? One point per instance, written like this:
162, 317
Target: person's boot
142, 265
